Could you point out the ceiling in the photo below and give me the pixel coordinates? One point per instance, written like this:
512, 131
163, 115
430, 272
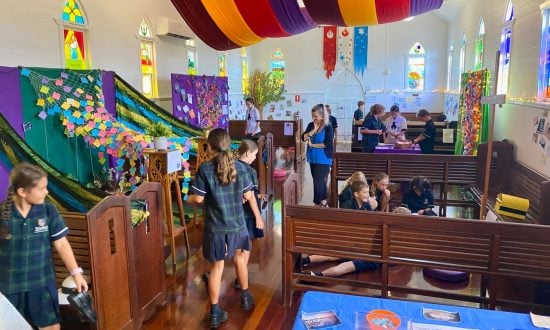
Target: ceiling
450, 8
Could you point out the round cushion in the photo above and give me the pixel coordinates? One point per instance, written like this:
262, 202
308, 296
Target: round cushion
446, 275
279, 173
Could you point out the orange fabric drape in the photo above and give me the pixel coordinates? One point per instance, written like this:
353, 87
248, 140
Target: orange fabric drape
227, 17
357, 13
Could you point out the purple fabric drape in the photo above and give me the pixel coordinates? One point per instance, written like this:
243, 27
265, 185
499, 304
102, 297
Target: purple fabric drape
108, 87
421, 6
196, 16
325, 12
290, 16
11, 109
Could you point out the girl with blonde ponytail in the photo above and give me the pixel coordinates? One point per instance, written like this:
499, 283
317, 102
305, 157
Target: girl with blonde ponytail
221, 184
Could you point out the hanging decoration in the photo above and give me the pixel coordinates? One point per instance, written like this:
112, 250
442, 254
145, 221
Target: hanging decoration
329, 50
473, 86
200, 101
345, 45
360, 49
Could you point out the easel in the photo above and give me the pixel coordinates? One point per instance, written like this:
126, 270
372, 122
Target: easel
492, 100
159, 172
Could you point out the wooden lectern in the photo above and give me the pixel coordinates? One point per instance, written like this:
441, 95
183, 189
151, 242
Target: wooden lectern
163, 168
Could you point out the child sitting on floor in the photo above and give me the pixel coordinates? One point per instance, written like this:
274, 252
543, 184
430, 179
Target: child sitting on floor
419, 198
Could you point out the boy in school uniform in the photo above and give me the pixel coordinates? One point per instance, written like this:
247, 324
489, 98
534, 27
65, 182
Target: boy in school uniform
427, 138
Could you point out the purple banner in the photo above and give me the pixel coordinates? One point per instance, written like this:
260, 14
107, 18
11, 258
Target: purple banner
200, 101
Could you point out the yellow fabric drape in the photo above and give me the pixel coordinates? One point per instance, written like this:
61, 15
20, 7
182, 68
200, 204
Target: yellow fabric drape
357, 13
228, 18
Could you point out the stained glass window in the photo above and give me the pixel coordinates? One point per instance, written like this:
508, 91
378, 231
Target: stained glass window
416, 62
222, 65
480, 42
505, 50
191, 62
244, 70
450, 66
72, 13
278, 66
74, 36
147, 60
544, 67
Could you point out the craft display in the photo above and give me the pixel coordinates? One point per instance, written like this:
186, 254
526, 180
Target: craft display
200, 101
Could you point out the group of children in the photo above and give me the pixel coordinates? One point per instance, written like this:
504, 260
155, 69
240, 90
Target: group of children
357, 195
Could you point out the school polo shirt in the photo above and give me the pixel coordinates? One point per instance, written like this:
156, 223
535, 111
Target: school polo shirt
370, 141
352, 205
224, 204
413, 202
427, 145
26, 258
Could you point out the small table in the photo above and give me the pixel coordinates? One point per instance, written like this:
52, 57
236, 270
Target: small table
346, 306
384, 148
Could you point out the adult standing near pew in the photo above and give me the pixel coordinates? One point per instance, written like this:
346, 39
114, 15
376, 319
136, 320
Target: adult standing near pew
319, 136
252, 128
359, 114
396, 126
427, 138
372, 128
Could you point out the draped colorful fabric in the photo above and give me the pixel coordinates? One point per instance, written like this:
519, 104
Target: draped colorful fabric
230, 24
329, 50
360, 49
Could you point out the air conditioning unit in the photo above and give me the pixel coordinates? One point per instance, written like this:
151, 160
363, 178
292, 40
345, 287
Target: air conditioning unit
170, 28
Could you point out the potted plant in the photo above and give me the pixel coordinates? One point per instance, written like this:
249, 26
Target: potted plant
263, 88
159, 132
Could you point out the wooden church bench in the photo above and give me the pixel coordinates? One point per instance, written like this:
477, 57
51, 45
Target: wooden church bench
498, 252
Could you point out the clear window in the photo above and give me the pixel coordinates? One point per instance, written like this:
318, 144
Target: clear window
505, 50
147, 60
74, 36
416, 67
462, 60
450, 66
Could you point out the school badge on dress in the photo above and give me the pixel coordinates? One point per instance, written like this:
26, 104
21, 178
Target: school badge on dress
41, 226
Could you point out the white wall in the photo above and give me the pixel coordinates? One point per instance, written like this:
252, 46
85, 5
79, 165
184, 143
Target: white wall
515, 120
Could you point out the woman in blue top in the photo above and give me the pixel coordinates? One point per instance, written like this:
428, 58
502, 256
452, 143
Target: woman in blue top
319, 136
222, 184
373, 128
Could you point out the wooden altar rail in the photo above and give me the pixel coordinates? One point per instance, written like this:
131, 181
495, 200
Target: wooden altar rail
499, 252
277, 128
126, 263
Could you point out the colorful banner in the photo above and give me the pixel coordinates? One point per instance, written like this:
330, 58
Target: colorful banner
360, 49
329, 50
345, 45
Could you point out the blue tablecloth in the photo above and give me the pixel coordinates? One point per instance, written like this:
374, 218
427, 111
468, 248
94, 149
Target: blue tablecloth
346, 306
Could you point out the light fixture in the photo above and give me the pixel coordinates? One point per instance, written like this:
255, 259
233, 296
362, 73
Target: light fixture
408, 19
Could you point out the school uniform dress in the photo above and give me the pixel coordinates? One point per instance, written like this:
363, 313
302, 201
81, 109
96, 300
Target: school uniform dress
320, 160
395, 126
428, 144
224, 224
413, 202
378, 194
252, 117
249, 217
370, 141
360, 265
27, 277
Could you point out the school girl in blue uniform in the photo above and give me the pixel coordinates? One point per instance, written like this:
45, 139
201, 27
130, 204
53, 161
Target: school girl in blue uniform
372, 128
29, 227
221, 184
419, 198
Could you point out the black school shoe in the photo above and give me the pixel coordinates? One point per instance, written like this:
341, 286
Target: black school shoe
217, 319
247, 301
83, 304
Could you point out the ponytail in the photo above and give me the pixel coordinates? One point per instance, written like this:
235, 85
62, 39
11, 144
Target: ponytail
225, 167
5, 215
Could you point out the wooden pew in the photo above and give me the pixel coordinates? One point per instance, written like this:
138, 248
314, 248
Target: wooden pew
498, 251
443, 171
126, 263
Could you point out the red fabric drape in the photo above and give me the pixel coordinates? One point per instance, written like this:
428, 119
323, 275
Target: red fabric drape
325, 12
329, 49
261, 19
392, 10
196, 16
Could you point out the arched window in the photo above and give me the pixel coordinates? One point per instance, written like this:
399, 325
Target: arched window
505, 50
544, 65
75, 41
244, 70
462, 60
222, 65
147, 60
278, 66
450, 66
416, 67
480, 42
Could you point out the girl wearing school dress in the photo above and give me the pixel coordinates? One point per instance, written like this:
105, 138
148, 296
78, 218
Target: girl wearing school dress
248, 150
319, 136
221, 184
380, 191
29, 227
373, 128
